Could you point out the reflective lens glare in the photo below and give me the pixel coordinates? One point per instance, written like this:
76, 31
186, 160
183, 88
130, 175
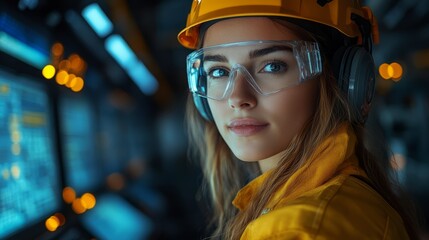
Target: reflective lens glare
268, 66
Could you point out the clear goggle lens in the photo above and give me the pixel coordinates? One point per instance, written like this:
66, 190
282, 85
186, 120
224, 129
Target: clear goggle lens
268, 66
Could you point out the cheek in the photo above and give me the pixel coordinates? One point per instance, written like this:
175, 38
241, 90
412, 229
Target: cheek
293, 107
218, 111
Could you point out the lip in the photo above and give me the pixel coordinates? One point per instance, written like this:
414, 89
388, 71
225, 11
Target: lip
246, 126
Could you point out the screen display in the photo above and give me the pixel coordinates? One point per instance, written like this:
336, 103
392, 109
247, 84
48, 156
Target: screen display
78, 134
29, 180
114, 144
114, 218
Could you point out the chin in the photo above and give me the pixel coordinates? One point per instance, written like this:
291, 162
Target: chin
246, 157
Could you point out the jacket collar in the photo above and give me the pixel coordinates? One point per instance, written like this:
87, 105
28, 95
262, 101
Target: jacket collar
334, 156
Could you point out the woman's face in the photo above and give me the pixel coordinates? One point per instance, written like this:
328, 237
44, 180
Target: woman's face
255, 126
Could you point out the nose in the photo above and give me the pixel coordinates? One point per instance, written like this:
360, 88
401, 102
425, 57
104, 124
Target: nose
242, 95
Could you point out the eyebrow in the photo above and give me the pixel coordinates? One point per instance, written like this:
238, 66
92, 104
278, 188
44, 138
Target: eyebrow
215, 58
253, 54
264, 51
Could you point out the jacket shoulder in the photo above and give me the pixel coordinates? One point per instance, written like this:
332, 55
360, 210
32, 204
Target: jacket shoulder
343, 208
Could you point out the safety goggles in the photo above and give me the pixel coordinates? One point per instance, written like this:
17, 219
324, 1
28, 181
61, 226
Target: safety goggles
268, 66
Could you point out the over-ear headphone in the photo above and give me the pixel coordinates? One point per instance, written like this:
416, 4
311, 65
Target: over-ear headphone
353, 68
355, 73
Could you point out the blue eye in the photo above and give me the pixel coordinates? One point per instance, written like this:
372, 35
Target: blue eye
275, 67
218, 73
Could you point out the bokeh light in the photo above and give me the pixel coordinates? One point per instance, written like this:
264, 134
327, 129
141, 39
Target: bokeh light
70, 80
383, 70
391, 71
48, 71
52, 223
397, 70
77, 85
115, 181
69, 195
78, 206
88, 200
57, 49
64, 65
62, 77
61, 218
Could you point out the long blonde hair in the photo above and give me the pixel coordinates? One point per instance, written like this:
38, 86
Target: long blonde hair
225, 175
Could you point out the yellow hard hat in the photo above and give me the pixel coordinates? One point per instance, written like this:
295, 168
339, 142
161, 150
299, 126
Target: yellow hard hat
333, 13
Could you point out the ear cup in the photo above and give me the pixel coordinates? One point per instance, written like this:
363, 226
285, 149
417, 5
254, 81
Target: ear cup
355, 71
203, 107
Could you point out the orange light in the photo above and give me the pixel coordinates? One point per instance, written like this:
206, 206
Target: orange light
70, 80
61, 218
383, 70
391, 71
64, 65
57, 49
88, 200
62, 77
52, 223
115, 181
76, 63
77, 85
48, 71
69, 195
72, 83
78, 207
397, 70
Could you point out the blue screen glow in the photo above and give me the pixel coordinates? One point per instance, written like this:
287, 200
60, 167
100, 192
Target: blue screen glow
29, 180
136, 70
113, 218
78, 131
97, 20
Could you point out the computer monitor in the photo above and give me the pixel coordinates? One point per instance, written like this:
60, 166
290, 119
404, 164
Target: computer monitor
78, 130
114, 135
30, 185
114, 218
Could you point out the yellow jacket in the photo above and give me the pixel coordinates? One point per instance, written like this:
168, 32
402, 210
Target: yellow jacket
324, 200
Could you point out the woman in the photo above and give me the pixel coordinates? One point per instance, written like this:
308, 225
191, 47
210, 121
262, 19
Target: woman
281, 90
